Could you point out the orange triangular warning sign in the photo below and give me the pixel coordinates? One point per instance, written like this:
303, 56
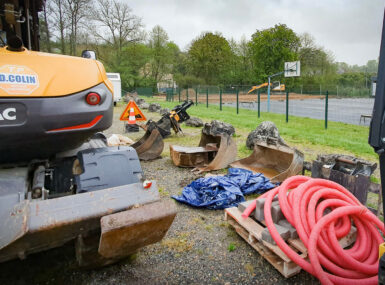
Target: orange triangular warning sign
138, 114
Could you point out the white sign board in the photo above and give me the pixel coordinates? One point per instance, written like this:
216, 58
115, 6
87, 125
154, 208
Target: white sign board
292, 68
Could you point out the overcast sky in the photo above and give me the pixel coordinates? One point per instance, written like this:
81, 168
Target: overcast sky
350, 29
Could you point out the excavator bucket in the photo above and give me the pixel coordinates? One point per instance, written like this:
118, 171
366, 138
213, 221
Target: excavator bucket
215, 151
124, 232
151, 145
277, 162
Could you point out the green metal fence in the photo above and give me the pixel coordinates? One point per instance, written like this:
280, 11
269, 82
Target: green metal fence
145, 91
334, 90
323, 105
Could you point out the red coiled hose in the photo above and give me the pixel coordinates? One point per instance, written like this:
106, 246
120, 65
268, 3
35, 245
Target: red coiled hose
304, 207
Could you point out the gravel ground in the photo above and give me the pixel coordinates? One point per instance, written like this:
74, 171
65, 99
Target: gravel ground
194, 251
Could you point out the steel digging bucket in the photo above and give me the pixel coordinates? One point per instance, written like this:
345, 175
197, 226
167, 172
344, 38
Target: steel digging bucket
277, 162
151, 145
216, 149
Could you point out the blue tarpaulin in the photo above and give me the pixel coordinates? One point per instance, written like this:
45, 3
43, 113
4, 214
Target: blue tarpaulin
220, 192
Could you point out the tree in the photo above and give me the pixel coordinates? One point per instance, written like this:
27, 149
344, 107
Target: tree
371, 66
45, 38
317, 65
161, 59
210, 57
119, 26
242, 65
270, 49
131, 68
59, 20
76, 11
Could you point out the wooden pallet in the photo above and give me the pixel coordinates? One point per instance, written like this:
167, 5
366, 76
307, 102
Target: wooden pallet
251, 231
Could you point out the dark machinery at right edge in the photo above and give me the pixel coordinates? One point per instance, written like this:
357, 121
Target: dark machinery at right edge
377, 137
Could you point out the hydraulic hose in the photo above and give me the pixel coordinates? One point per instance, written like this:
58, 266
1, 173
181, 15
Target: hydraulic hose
323, 212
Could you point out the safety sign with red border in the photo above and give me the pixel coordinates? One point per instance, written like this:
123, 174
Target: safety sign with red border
138, 113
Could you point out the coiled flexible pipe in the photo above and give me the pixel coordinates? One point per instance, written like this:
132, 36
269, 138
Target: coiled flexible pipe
322, 212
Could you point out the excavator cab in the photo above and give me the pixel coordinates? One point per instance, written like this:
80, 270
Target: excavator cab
19, 19
277, 86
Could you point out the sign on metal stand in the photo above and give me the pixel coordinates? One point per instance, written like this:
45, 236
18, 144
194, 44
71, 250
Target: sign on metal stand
138, 113
292, 69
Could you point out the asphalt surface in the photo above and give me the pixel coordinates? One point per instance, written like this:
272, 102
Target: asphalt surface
345, 110
194, 251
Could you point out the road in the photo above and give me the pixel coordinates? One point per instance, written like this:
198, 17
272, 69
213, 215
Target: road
346, 110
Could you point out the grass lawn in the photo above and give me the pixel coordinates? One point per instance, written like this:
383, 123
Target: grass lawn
307, 135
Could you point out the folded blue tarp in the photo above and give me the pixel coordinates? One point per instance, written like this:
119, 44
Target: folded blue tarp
220, 192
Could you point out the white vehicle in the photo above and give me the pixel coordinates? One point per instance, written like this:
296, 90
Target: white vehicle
115, 79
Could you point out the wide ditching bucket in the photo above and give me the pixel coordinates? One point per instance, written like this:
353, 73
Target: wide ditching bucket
216, 150
277, 162
151, 145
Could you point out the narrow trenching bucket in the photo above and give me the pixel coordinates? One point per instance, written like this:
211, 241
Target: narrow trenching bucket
151, 145
277, 162
214, 152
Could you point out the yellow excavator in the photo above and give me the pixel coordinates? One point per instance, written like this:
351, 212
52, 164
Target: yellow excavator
59, 181
275, 86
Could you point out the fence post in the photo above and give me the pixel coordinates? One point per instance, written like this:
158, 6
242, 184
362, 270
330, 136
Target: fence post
196, 96
287, 106
301, 89
179, 93
337, 90
326, 109
259, 103
187, 93
237, 100
320, 90
220, 99
268, 96
207, 97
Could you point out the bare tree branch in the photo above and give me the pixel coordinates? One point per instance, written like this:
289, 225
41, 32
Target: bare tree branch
120, 25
